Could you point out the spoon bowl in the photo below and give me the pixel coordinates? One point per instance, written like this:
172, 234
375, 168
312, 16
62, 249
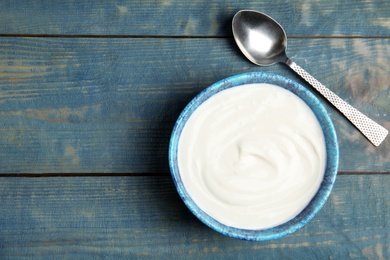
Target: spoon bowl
264, 42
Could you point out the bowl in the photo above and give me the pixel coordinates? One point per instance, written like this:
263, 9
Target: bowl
262, 232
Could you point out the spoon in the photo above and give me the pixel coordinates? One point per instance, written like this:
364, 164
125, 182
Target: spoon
264, 42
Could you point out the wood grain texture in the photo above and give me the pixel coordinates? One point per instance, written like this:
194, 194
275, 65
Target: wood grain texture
194, 18
109, 105
133, 217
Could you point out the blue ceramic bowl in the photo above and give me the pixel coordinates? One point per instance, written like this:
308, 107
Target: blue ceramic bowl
332, 153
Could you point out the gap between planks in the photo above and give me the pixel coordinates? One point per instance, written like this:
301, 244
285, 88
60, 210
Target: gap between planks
133, 174
181, 36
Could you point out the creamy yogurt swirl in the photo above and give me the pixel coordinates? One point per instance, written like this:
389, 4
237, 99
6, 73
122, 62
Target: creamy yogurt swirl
252, 156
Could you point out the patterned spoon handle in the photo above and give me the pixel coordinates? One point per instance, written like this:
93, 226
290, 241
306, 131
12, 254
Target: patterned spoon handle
373, 131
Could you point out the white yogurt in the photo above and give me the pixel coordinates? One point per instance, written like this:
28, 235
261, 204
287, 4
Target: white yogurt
252, 156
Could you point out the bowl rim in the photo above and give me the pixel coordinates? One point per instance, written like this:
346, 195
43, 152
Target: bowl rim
332, 156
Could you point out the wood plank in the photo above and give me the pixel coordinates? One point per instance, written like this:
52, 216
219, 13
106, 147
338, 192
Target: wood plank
130, 217
191, 18
108, 105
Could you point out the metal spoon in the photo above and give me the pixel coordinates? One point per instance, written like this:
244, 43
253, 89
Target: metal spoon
264, 42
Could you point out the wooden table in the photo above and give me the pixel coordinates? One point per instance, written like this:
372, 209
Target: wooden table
89, 93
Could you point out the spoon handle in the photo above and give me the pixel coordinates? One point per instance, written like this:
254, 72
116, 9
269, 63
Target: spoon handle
373, 131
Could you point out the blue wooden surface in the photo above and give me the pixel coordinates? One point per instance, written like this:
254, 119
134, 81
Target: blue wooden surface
191, 18
102, 105
131, 217
90, 90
